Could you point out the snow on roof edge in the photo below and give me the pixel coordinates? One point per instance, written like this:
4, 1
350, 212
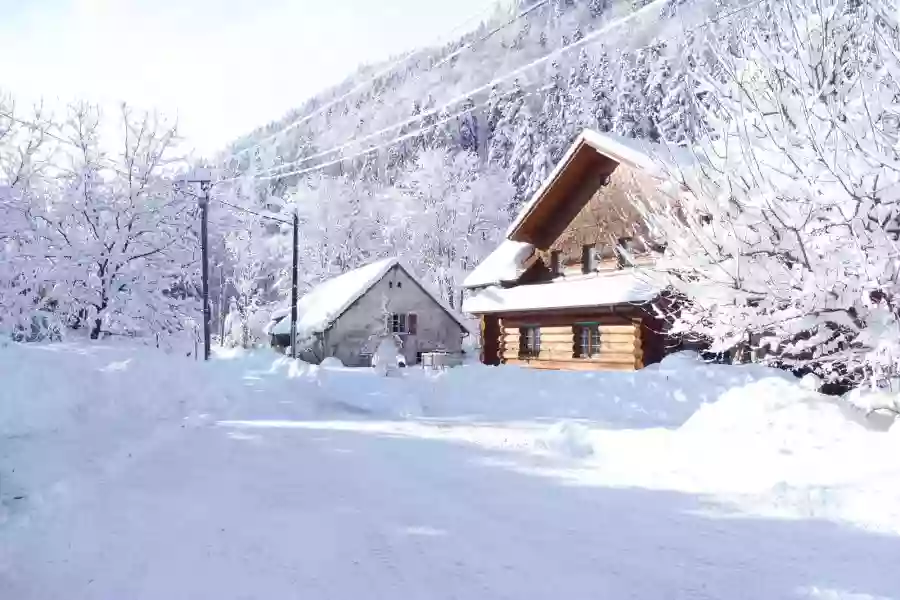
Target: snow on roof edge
602, 289
504, 263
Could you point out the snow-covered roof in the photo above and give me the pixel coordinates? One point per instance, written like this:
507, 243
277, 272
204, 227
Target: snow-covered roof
601, 289
655, 159
505, 263
319, 307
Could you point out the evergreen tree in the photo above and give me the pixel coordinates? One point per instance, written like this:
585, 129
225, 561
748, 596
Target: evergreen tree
467, 124
505, 133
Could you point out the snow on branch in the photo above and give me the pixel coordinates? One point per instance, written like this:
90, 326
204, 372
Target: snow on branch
784, 235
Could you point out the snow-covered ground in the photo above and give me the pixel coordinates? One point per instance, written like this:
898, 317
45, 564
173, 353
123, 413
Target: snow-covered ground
129, 473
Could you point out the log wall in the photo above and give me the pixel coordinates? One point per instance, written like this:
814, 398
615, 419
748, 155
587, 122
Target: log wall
621, 346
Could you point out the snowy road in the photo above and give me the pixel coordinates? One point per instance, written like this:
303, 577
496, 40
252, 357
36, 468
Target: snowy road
315, 512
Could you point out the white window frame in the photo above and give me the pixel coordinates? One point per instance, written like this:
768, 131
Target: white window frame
400, 323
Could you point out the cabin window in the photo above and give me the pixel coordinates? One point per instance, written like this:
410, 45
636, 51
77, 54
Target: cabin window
403, 323
587, 340
588, 258
529, 342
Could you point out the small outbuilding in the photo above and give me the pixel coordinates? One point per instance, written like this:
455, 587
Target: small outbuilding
346, 316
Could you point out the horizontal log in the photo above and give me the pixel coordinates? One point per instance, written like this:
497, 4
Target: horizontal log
559, 345
568, 338
610, 329
552, 319
624, 331
619, 346
545, 338
570, 365
611, 357
556, 329
567, 353
618, 337
554, 353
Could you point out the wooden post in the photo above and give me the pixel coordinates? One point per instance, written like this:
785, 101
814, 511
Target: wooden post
294, 276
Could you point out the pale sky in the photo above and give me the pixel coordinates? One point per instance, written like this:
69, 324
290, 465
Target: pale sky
222, 67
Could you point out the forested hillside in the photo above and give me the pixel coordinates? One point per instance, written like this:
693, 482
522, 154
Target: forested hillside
784, 237
482, 121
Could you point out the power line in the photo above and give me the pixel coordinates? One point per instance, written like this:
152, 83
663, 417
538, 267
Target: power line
554, 54
406, 136
355, 89
354, 141
464, 96
247, 210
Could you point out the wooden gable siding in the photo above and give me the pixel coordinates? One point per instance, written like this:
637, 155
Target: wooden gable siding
599, 210
565, 197
608, 215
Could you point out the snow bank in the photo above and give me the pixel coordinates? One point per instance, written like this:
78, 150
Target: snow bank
749, 438
875, 401
769, 447
331, 362
662, 395
568, 438
67, 410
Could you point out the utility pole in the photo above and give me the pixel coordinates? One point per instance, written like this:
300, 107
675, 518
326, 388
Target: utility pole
221, 305
205, 186
204, 178
294, 277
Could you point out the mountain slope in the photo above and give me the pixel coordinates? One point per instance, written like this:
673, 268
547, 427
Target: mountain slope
483, 121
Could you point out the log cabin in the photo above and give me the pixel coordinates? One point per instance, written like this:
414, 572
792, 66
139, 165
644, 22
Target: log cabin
569, 287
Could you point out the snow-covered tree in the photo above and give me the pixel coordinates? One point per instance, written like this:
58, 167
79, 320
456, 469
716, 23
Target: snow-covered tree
783, 235
235, 330
504, 131
384, 342
452, 216
106, 242
248, 249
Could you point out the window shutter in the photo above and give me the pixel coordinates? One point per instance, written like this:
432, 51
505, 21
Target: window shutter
587, 258
623, 252
413, 322
554, 262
